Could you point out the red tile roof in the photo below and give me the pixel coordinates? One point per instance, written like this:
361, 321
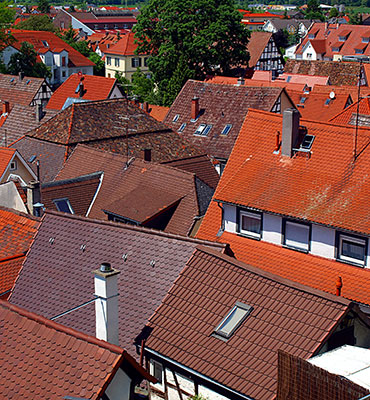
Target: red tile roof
6, 156
95, 88
9, 269
285, 316
124, 47
142, 284
158, 112
16, 232
348, 116
43, 359
54, 44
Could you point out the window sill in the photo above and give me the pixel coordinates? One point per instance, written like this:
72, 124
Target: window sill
296, 249
249, 236
360, 265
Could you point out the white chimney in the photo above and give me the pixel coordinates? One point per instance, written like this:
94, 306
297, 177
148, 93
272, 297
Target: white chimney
106, 304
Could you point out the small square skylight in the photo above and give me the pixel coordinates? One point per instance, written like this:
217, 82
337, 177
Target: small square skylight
327, 102
203, 130
175, 118
302, 100
233, 320
226, 129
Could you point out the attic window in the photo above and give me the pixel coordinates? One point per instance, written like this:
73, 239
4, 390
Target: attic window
203, 130
302, 100
365, 39
63, 205
182, 127
307, 142
226, 129
45, 43
311, 36
233, 320
342, 38
288, 79
335, 49
327, 102
175, 118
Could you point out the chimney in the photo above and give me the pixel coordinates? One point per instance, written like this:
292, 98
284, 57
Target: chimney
290, 131
339, 285
21, 76
34, 198
6, 107
241, 81
146, 107
106, 304
147, 155
81, 89
39, 112
194, 108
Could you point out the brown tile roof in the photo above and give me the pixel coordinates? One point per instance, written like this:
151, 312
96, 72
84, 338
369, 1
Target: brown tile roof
219, 105
339, 73
43, 359
95, 88
285, 316
17, 91
80, 192
257, 43
201, 166
149, 262
102, 124
16, 232
155, 187
20, 120
50, 155
9, 269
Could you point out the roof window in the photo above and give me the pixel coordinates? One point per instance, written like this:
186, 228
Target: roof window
226, 129
203, 130
302, 100
307, 142
63, 205
288, 79
233, 320
176, 117
182, 127
45, 43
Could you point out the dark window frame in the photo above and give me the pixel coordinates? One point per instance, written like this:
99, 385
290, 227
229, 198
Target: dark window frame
338, 251
239, 212
283, 236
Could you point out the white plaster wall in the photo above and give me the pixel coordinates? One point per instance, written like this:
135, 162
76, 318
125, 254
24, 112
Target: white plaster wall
210, 394
10, 197
322, 241
309, 49
230, 218
116, 93
119, 388
7, 53
272, 229
185, 383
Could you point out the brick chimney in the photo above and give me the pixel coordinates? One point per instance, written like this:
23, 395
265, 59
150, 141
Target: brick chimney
147, 155
34, 198
146, 107
6, 107
194, 107
106, 305
290, 131
21, 76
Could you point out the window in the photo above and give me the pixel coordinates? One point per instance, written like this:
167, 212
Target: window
352, 249
146, 61
136, 62
63, 61
302, 100
116, 62
63, 205
176, 117
63, 74
327, 102
309, 55
365, 40
226, 129
109, 60
182, 127
157, 371
45, 43
311, 36
13, 165
233, 320
336, 49
297, 235
307, 142
203, 130
359, 51
250, 223
342, 38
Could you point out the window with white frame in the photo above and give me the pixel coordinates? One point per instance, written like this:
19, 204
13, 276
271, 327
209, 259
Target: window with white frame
352, 249
63, 205
157, 371
203, 130
109, 60
136, 62
116, 62
250, 223
297, 235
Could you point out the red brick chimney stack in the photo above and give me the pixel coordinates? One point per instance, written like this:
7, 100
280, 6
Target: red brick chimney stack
194, 108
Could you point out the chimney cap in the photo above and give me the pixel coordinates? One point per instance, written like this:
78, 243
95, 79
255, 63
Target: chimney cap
105, 270
105, 267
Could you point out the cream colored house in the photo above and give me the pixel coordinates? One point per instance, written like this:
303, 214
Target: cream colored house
121, 58
14, 167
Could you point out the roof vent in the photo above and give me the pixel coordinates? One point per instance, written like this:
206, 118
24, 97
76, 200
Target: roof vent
105, 268
152, 263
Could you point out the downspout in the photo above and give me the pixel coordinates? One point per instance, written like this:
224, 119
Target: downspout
222, 229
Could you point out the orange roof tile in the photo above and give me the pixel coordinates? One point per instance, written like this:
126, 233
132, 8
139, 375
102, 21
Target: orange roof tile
348, 116
124, 47
9, 269
6, 155
95, 88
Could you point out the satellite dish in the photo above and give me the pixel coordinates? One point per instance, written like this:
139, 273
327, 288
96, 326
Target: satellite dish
332, 95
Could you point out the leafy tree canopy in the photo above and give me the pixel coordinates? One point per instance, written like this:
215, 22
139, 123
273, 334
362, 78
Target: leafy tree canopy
190, 39
333, 12
313, 10
37, 22
7, 15
43, 6
26, 61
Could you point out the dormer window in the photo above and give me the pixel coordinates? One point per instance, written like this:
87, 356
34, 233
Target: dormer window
342, 38
311, 36
250, 224
335, 49
365, 39
45, 43
352, 249
296, 235
359, 51
63, 205
233, 320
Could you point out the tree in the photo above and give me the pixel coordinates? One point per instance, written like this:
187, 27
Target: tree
99, 68
7, 15
37, 22
26, 61
200, 36
313, 10
333, 12
43, 6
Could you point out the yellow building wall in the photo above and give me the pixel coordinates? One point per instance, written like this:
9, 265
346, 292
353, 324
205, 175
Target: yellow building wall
20, 170
125, 66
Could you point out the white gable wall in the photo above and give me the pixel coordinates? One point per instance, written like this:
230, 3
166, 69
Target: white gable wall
119, 388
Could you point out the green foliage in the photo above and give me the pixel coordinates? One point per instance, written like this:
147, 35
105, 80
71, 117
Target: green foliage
43, 6
124, 83
7, 15
37, 22
354, 18
313, 10
197, 397
99, 68
190, 38
26, 61
333, 13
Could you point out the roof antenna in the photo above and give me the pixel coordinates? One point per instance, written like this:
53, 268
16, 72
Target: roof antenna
357, 112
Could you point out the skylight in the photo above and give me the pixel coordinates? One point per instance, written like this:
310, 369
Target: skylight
226, 129
307, 142
327, 102
233, 320
63, 205
182, 127
302, 100
175, 118
203, 130
288, 79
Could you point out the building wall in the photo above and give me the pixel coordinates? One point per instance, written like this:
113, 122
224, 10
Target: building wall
309, 53
120, 387
323, 240
7, 53
125, 65
10, 197
271, 59
20, 171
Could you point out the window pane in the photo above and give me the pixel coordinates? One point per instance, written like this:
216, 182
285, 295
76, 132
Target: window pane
63, 206
236, 315
251, 224
297, 235
353, 250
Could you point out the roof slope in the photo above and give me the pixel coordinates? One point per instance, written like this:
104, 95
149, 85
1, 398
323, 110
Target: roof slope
55, 44
85, 243
9, 269
17, 91
349, 115
257, 43
287, 316
126, 46
336, 192
339, 73
102, 124
6, 156
219, 105
138, 192
95, 88
16, 232
43, 359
